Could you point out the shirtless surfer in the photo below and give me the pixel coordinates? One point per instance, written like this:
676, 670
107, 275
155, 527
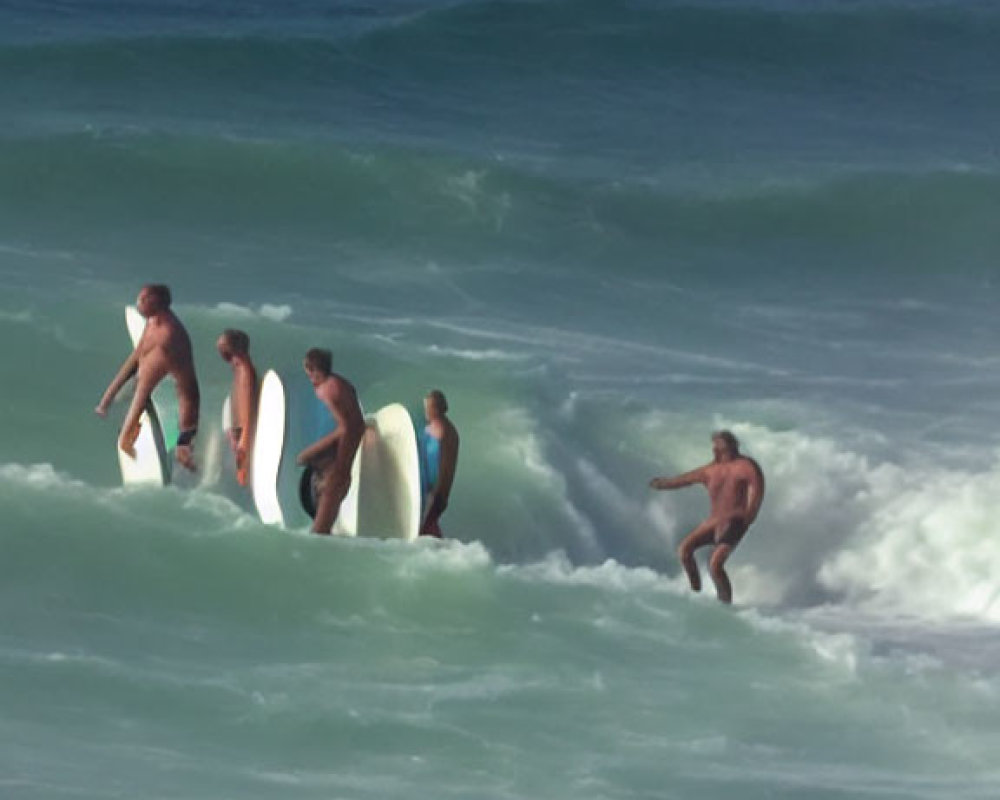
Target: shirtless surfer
440, 454
735, 487
163, 349
333, 454
234, 348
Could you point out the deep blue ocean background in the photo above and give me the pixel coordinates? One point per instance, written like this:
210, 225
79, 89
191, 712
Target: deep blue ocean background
604, 229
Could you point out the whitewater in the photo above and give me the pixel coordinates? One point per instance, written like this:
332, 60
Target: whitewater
604, 229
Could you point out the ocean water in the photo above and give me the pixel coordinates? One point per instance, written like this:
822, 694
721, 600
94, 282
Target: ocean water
604, 229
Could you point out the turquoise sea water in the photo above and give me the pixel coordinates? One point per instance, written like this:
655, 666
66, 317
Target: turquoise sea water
603, 229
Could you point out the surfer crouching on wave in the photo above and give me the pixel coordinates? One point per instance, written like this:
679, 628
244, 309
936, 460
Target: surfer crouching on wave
439, 452
333, 454
163, 349
735, 485
234, 349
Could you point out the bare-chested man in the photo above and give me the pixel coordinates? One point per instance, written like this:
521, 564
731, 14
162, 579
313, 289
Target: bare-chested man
333, 454
440, 457
164, 349
735, 486
234, 348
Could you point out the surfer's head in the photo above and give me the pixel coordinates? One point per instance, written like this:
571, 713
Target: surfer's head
435, 404
232, 343
725, 445
318, 364
153, 298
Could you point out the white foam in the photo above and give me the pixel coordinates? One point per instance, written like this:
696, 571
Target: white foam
931, 547
556, 568
275, 313
219, 509
917, 540
842, 649
522, 446
449, 556
475, 355
38, 476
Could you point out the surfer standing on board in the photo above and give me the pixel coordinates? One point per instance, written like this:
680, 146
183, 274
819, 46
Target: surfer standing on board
163, 349
234, 348
735, 485
439, 452
333, 454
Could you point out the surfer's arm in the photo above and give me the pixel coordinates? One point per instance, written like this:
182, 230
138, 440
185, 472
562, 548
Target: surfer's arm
448, 465
680, 481
126, 372
328, 442
320, 447
244, 414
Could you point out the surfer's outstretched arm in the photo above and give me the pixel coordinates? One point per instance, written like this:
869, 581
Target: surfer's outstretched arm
680, 481
128, 369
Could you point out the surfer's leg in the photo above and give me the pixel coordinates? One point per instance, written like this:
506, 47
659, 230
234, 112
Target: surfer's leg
716, 564
188, 404
336, 484
333, 490
701, 536
728, 534
185, 445
431, 526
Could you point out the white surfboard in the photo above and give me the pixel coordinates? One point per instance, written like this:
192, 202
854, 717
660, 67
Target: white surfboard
389, 492
268, 446
151, 465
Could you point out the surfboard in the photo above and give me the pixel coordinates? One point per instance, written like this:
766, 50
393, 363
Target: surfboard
152, 463
389, 496
268, 449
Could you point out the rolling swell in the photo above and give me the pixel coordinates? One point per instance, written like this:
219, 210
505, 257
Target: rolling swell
424, 205
530, 43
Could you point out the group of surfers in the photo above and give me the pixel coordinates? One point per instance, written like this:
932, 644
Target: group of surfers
735, 482
165, 349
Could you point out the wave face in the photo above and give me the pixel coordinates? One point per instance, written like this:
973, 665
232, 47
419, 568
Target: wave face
604, 229
161, 639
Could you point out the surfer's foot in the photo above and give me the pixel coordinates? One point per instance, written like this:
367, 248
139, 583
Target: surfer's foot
127, 440
185, 457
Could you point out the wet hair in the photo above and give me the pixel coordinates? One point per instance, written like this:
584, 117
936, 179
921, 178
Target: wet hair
320, 359
161, 292
236, 341
436, 396
731, 441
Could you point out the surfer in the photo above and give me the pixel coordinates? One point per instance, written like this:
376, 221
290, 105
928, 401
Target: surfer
439, 450
163, 349
234, 348
735, 485
332, 455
